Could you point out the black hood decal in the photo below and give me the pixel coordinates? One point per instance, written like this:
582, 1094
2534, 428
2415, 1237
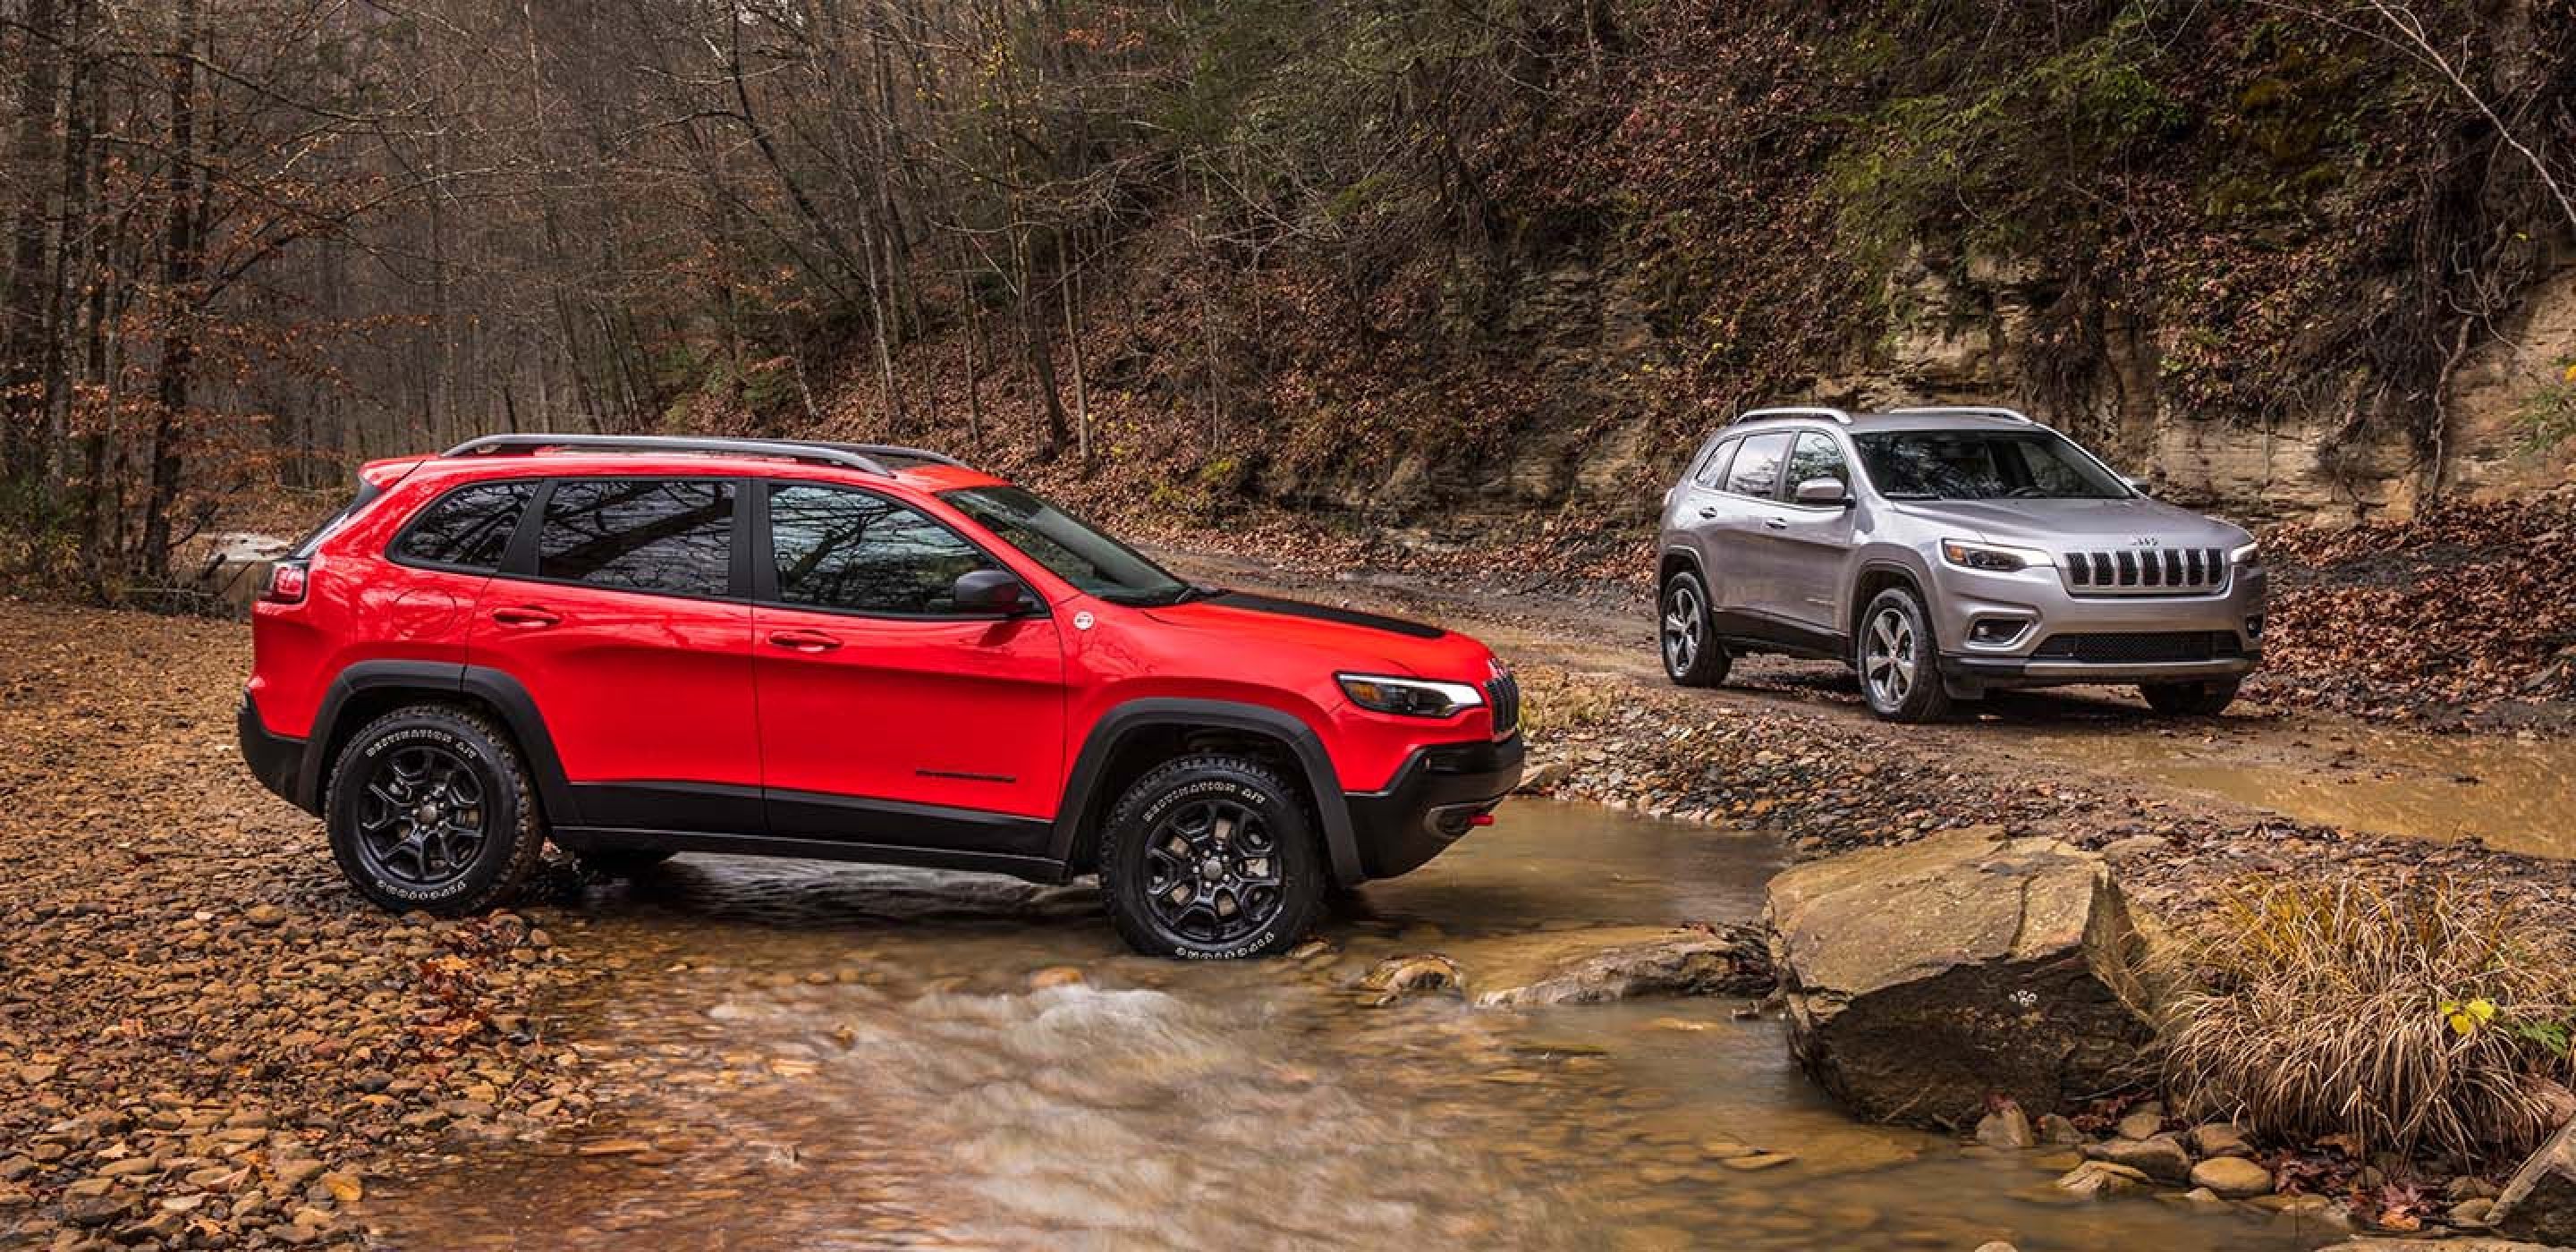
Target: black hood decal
1323, 613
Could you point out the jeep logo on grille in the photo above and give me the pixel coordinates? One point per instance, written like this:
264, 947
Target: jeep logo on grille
2144, 541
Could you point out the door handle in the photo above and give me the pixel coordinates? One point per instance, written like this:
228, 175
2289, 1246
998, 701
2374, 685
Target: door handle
804, 641
1707, 511
525, 615
1776, 523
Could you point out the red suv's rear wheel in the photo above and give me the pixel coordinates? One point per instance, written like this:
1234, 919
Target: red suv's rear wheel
430, 808
1209, 857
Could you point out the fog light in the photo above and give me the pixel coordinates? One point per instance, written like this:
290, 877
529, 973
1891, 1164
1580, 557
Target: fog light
1993, 631
2254, 626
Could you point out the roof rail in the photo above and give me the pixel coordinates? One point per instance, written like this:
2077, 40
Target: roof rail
894, 450
1980, 410
858, 456
1795, 410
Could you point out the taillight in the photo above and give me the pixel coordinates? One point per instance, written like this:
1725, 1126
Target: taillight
287, 581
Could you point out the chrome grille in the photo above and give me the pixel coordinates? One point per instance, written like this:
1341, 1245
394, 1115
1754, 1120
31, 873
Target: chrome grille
1505, 694
2146, 572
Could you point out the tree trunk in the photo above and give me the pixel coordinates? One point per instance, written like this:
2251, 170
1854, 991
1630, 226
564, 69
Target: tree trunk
22, 349
1073, 342
179, 272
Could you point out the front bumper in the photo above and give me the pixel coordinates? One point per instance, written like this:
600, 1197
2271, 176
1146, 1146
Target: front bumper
277, 761
2039, 600
1433, 801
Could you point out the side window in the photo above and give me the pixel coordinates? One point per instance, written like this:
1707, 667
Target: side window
1713, 470
1756, 471
839, 548
468, 528
640, 534
1817, 456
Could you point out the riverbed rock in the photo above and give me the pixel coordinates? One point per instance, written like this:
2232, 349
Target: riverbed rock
1922, 979
1401, 977
2220, 1139
2539, 1202
2232, 1177
2007, 1128
2102, 1179
2161, 1157
1625, 963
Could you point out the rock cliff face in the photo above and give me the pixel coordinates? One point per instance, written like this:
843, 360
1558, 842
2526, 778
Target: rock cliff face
1965, 332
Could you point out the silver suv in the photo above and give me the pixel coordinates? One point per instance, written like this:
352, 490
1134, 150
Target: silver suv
1945, 552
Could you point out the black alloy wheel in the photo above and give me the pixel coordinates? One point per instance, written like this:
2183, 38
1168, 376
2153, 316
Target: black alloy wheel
430, 808
1209, 857
422, 816
1212, 872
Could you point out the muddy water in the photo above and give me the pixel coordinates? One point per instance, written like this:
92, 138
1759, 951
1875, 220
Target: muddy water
821, 1057
2512, 794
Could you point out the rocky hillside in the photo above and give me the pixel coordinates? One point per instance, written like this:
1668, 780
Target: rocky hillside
2280, 264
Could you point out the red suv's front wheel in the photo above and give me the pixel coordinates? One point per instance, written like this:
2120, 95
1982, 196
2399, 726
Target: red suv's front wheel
1209, 857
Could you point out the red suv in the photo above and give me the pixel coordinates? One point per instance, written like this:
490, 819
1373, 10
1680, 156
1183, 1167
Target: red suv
641, 646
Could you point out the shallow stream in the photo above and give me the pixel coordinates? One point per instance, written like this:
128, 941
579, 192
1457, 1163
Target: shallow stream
825, 1057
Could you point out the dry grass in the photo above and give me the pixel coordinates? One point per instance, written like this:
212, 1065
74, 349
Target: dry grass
2429, 1017
1555, 701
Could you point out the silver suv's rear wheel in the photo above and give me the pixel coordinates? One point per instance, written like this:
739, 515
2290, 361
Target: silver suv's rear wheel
1693, 654
1900, 662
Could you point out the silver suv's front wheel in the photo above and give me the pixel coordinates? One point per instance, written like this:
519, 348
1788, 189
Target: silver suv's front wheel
1899, 660
1693, 655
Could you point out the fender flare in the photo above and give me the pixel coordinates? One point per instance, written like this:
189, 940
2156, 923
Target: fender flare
1082, 782
433, 679
1689, 556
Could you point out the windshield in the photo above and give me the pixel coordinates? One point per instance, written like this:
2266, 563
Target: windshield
1984, 465
1068, 547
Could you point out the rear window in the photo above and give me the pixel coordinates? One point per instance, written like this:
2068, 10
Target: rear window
466, 529
673, 536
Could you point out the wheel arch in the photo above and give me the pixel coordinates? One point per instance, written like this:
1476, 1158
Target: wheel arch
370, 689
1676, 559
1133, 737
1875, 575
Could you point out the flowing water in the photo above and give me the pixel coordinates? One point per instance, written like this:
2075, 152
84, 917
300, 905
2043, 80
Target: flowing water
825, 1057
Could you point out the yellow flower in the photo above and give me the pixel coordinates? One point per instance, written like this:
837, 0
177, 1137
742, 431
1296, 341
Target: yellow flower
2466, 1018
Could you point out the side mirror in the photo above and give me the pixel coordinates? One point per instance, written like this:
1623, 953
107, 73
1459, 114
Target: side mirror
1822, 492
991, 591
2138, 485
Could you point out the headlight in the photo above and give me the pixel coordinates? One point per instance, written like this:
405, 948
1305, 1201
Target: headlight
2248, 557
1408, 697
1990, 558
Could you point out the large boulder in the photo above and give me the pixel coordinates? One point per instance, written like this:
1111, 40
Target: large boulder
2539, 1202
1924, 979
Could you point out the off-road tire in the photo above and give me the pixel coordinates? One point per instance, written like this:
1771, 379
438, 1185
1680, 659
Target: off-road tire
1894, 692
1166, 793
2197, 699
1699, 660
514, 836
619, 862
